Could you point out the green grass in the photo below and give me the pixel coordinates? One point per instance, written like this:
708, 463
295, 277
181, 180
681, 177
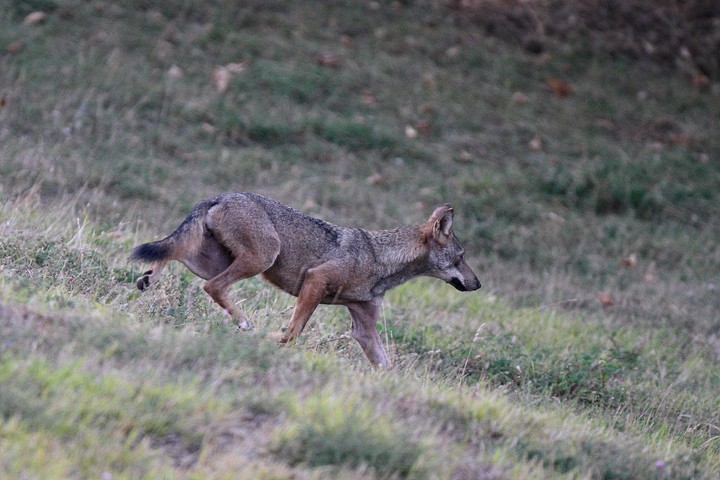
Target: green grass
339, 431
531, 378
171, 387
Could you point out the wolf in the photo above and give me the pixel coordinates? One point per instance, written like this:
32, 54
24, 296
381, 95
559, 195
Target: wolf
235, 236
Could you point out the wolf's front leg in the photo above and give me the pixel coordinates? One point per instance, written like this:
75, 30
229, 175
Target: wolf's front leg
364, 331
317, 282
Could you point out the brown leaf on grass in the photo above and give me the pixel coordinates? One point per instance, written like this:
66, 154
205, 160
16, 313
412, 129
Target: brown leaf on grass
14, 47
536, 144
410, 131
701, 81
236, 67
98, 36
375, 179
465, 156
221, 79
164, 49
426, 107
630, 261
554, 219
423, 127
453, 51
662, 131
605, 299
175, 72
428, 81
560, 87
222, 75
3, 101
35, 17
368, 98
680, 139
520, 98
328, 60
605, 123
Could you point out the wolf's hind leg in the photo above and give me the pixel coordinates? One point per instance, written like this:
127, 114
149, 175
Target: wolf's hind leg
246, 265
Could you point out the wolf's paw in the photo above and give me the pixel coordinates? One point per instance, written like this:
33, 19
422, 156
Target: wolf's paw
144, 281
282, 336
246, 326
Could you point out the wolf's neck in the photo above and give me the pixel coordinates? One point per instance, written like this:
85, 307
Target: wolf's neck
397, 247
400, 256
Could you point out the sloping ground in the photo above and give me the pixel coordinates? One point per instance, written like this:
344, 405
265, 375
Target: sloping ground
96, 381
586, 191
100, 396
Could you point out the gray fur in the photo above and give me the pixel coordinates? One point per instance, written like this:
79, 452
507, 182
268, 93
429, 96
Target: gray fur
235, 236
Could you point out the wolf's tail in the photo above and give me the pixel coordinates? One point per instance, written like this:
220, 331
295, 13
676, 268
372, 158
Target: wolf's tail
153, 251
185, 238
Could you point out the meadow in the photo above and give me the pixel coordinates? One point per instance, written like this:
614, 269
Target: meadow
587, 194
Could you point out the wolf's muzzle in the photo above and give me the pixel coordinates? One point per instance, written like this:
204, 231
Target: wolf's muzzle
458, 284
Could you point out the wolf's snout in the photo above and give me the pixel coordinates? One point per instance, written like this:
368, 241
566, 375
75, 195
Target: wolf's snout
470, 286
457, 283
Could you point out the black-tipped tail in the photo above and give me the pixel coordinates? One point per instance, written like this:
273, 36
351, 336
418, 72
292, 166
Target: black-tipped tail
151, 252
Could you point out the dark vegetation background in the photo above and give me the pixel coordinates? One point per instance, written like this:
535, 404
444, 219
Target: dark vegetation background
681, 35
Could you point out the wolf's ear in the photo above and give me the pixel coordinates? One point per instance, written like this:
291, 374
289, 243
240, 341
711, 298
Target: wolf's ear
439, 225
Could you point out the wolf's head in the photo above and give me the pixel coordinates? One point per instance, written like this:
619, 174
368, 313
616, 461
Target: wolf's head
446, 256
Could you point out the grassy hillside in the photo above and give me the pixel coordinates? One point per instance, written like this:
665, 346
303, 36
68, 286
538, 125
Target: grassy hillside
591, 218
